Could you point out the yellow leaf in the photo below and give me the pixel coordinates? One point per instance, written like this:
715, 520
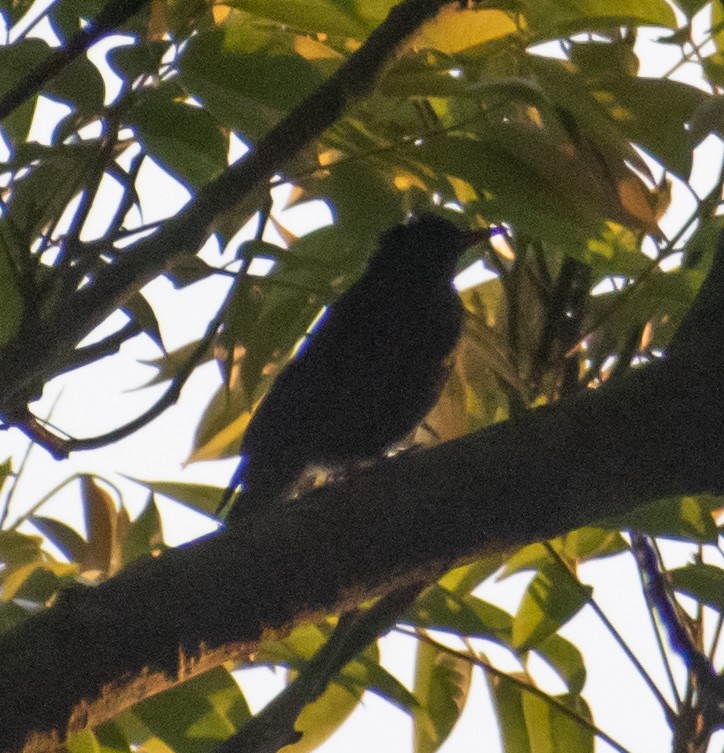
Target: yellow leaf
222, 439
455, 30
220, 12
311, 49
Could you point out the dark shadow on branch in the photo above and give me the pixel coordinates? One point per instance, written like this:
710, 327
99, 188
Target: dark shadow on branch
656, 433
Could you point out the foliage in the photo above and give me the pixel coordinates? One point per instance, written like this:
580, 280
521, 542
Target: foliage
566, 146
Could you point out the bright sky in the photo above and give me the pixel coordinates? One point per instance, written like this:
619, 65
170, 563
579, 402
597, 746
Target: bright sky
101, 397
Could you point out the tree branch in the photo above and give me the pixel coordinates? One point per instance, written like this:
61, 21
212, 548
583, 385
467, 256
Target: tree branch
655, 433
25, 363
114, 14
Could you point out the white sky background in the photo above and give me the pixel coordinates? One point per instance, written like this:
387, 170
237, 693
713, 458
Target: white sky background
105, 395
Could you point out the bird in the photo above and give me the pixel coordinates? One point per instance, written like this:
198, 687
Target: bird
368, 374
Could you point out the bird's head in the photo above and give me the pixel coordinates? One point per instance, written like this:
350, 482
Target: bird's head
428, 243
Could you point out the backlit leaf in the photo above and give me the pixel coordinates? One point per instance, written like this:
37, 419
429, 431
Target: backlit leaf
687, 518
103, 551
195, 716
442, 682
550, 18
550, 600
553, 731
702, 582
454, 30
185, 138
199, 496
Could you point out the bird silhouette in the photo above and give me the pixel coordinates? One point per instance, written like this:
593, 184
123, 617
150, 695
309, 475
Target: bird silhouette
370, 372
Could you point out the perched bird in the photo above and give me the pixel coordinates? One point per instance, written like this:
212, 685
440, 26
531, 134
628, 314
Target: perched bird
370, 372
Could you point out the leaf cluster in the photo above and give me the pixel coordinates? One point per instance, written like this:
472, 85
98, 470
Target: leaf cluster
575, 155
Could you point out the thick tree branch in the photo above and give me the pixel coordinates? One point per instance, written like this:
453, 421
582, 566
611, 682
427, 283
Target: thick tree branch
653, 434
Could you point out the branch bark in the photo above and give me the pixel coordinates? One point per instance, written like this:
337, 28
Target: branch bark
655, 433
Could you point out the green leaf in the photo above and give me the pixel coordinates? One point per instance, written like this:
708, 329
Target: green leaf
144, 535
580, 545
11, 298
80, 85
687, 518
615, 57
377, 679
83, 742
111, 739
187, 270
507, 698
222, 425
442, 683
315, 16
713, 67
551, 730
15, 61
267, 319
550, 600
19, 548
69, 542
439, 609
566, 660
702, 582
139, 309
531, 557
465, 30
323, 716
653, 112
691, 7
18, 58
67, 16
591, 543
37, 581
197, 715
707, 118
527, 180
550, 18
16, 9
101, 517
365, 202
133, 60
296, 648
200, 497
184, 138
42, 194
169, 363
246, 76
6, 471
659, 295
464, 579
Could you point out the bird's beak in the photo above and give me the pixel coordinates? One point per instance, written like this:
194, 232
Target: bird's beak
471, 237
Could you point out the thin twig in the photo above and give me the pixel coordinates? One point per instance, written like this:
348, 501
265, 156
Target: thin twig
21, 467
521, 684
659, 641
668, 711
168, 398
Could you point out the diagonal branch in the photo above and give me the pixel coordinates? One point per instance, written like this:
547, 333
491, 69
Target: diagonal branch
41, 352
114, 14
654, 433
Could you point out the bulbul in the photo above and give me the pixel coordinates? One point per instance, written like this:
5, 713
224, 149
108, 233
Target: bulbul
370, 372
